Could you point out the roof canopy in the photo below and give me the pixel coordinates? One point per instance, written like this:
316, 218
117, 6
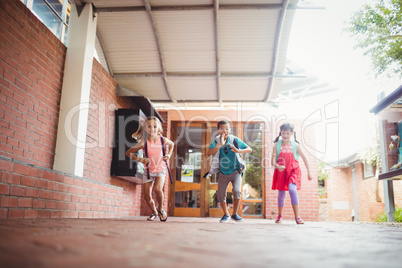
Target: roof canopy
174, 51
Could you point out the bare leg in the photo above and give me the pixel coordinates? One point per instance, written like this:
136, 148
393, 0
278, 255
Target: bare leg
148, 196
225, 209
280, 211
236, 204
159, 183
296, 211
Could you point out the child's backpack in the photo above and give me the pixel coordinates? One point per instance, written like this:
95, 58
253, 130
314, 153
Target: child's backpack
214, 167
163, 153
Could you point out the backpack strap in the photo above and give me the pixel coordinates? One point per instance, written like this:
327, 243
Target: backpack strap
214, 157
294, 149
167, 165
234, 141
146, 156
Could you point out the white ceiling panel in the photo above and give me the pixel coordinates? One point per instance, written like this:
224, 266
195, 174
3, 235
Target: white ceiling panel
129, 42
149, 87
250, 2
244, 89
180, 2
188, 40
195, 50
188, 62
184, 88
115, 3
246, 61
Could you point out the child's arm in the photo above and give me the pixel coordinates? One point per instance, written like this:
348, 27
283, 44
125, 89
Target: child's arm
213, 150
273, 160
130, 153
245, 150
300, 152
217, 146
170, 145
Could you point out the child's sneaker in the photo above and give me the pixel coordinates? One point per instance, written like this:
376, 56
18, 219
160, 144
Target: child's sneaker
236, 217
225, 218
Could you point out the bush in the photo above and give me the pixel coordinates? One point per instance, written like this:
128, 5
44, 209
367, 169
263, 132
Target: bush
382, 217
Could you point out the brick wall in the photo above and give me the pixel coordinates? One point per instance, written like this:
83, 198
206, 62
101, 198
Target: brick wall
31, 73
340, 194
31, 68
370, 194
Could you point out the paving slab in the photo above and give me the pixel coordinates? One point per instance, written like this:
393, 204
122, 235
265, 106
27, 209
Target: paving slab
197, 242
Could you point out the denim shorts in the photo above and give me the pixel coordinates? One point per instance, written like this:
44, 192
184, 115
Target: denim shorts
152, 176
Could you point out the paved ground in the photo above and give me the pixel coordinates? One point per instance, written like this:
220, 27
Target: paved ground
196, 242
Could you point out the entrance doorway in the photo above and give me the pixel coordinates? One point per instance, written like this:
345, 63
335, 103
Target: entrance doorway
191, 195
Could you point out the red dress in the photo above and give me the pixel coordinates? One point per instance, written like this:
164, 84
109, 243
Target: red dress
291, 173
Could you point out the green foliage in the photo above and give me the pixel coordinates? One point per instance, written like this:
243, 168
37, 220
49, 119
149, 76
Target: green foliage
253, 175
322, 174
322, 177
382, 217
378, 30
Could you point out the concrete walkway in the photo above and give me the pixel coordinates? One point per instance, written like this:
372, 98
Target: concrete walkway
196, 242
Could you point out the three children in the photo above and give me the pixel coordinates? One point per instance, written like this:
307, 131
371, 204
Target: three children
226, 163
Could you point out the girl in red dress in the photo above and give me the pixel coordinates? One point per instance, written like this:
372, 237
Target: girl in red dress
287, 174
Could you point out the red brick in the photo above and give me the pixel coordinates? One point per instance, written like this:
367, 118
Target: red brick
27, 181
4, 189
43, 214
25, 203
10, 202
3, 213
39, 183
45, 194
15, 213
30, 214
6, 165
17, 191
55, 214
38, 203
51, 204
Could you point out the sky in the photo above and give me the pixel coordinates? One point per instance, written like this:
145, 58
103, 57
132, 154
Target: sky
319, 43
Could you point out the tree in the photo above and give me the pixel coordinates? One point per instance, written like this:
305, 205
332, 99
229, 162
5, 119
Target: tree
378, 30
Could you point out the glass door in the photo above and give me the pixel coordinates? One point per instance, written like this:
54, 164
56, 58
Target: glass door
187, 194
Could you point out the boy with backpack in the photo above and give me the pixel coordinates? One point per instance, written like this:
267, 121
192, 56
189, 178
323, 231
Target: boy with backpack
229, 166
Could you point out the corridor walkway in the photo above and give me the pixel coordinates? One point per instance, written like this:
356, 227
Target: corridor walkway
196, 242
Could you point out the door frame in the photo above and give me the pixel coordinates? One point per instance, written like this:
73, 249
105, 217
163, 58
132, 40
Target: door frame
181, 211
204, 210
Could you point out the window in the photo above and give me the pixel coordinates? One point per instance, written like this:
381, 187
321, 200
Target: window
368, 171
55, 14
